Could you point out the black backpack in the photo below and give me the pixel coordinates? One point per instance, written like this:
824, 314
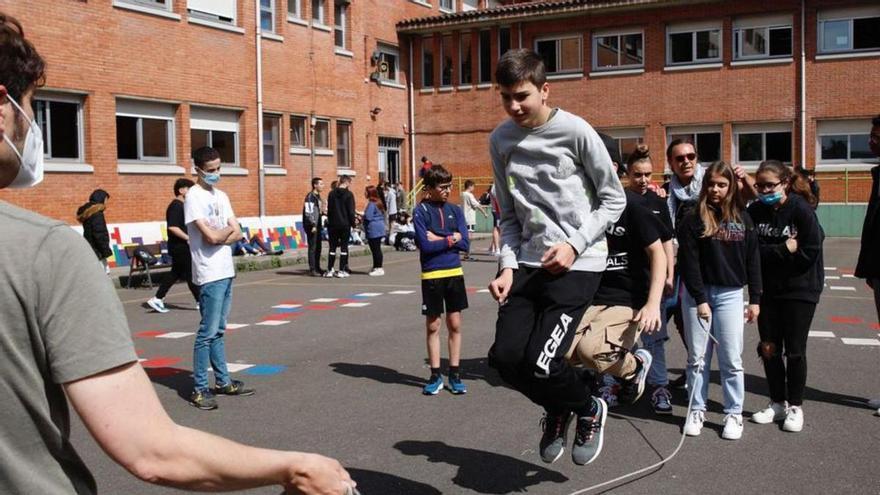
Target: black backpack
144, 256
485, 199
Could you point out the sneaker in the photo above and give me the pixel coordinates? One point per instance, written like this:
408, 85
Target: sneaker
633, 389
680, 382
198, 308
693, 425
661, 401
434, 386
733, 427
203, 399
555, 427
794, 419
608, 393
234, 387
342, 274
330, 273
775, 411
456, 386
589, 435
314, 273
157, 304
377, 272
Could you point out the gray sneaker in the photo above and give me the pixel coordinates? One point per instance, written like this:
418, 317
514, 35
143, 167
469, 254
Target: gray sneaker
555, 428
589, 434
203, 399
633, 389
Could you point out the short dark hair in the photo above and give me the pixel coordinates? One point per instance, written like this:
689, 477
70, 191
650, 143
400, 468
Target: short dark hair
520, 65
182, 184
21, 67
468, 183
613, 148
315, 181
436, 175
204, 155
424, 159
676, 142
344, 179
875, 122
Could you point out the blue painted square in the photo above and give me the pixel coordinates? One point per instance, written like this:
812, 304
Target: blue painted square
265, 369
287, 310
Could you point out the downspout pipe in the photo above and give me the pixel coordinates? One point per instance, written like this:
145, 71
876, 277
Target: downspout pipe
412, 119
803, 87
260, 171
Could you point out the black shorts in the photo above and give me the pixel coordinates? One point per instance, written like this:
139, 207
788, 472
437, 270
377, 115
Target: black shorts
449, 290
496, 219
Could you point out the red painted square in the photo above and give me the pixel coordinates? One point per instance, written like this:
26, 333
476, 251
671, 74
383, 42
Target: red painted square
875, 326
319, 307
149, 334
280, 316
290, 302
160, 362
846, 320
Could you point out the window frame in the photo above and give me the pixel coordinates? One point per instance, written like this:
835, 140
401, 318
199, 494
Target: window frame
315, 144
559, 38
694, 29
348, 145
276, 136
340, 11
271, 11
427, 41
505, 29
170, 130
488, 55
696, 131
461, 59
619, 34
77, 100
209, 17
444, 37
849, 15
619, 134
447, 10
297, 9
762, 130
470, 8
166, 6
322, 13
235, 130
848, 128
386, 49
305, 128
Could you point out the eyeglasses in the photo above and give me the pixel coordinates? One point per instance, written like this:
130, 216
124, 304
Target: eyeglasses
444, 187
688, 157
766, 186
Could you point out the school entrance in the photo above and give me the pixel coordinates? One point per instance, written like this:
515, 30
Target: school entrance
389, 159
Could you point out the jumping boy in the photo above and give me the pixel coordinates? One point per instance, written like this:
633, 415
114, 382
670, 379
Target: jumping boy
441, 234
558, 193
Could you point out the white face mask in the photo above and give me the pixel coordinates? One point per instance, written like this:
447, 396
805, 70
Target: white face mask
30, 171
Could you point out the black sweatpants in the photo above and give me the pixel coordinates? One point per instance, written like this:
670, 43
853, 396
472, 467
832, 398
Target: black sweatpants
181, 269
313, 239
376, 251
784, 326
535, 328
339, 237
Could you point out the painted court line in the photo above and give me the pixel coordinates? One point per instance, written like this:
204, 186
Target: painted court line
483, 290
401, 292
368, 294
830, 268
354, 305
851, 341
174, 335
832, 277
273, 323
819, 333
846, 275
846, 320
236, 326
325, 299
236, 367
836, 287
286, 306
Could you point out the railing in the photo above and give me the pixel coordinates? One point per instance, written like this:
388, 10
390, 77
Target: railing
413, 194
846, 181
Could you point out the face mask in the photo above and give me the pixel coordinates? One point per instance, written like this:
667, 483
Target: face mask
210, 179
30, 170
770, 199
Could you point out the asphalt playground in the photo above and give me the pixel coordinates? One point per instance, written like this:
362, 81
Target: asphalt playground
338, 365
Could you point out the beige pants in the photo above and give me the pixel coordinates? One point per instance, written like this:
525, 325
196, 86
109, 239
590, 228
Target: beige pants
603, 340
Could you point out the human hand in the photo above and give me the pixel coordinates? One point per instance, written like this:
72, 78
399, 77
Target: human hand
792, 244
668, 287
500, 287
648, 318
659, 191
739, 172
752, 312
434, 237
558, 258
314, 474
456, 237
704, 312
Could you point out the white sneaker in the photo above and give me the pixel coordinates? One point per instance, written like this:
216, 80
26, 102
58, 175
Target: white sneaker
329, 273
342, 274
875, 404
377, 272
693, 425
157, 304
733, 427
775, 411
794, 420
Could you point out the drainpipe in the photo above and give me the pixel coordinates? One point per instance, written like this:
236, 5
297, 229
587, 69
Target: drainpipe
519, 28
803, 88
412, 120
260, 171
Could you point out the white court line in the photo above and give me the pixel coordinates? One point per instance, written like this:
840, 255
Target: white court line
401, 292
847, 275
234, 367
831, 277
273, 323
820, 333
837, 287
236, 326
141, 360
354, 305
830, 268
174, 335
325, 299
851, 341
287, 306
368, 294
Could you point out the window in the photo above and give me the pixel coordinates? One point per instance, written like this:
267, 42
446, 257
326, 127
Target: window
485, 53
271, 141
217, 129
427, 62
156, 4
340, 18
465, 72
343, 144
60, 119
294, 8
618, 51
693, 44
561, 55
762, 37
447, 5
707, 141
627, 140
267, 15
503, 40
446, 60
213, 10
298, 131
318, 11
322, 134
756, 143
467, 5
388, 60
849, 30
844, 141
144, 131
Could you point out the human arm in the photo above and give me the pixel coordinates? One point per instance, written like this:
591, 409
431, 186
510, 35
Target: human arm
463, 243
689, 257
753, 267
808, 243
350, 209
669, 284
746, 183
101, 235
511, 229
427, 241
649, 316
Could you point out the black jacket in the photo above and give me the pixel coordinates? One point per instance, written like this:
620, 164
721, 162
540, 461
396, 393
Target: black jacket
340, 208
868, 265
91, 216
785, 275
311, 214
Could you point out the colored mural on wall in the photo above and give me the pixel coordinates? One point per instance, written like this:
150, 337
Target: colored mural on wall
280, 232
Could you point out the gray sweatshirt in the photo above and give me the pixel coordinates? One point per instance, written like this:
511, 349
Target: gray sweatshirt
560, 187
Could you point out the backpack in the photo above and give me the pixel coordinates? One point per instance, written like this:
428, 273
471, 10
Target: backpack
485, 199
144, 256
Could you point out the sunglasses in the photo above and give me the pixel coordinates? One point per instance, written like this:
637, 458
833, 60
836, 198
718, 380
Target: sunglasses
686, 158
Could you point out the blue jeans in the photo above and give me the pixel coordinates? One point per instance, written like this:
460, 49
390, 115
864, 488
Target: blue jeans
655, 343
214, 302
727, 326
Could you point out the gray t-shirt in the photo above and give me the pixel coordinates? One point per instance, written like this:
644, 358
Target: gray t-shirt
60, 320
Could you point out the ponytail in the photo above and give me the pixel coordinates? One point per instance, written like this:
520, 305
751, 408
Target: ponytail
641, 153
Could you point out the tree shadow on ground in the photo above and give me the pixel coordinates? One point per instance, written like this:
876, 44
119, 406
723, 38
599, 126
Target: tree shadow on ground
374, 482
483, 472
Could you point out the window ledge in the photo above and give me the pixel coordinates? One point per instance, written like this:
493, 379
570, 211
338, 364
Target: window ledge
834, 56
146, 10
392, 84
484, 86
423, 4
62, 167
149, 169
272, 36
296, 20
321, 27
673, 68
300, 151
616, 72
464, 88
762, 61
324, 152
216, 25
274, 170
558, 77
445, 89
346, 171
233, 170
343, 52
446, 11
843, 167
426, 90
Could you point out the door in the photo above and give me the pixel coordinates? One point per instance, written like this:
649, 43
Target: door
389, 159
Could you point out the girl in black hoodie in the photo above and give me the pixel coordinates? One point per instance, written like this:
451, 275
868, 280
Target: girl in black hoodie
91, 216
790, 238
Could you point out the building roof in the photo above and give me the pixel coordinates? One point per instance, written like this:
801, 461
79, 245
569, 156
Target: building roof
529, 11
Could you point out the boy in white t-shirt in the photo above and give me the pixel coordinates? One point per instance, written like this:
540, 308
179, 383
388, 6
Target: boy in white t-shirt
212, 228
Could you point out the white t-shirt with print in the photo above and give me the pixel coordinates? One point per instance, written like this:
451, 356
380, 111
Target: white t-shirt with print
210, 262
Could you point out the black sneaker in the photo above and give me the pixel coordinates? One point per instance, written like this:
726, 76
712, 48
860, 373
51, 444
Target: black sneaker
589, 435
633, 389
203, 399
234, 387
661, 401
555, 428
